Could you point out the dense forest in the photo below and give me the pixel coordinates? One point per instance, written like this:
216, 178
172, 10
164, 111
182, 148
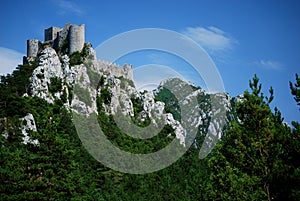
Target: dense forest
256, 159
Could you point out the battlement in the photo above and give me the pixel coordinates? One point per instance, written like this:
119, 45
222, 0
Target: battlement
70, 37
114, 69
51, 33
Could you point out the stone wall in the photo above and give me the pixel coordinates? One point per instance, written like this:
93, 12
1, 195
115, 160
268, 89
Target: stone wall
62, 35
76, 38
56, 37
33, 47
109, 68
51, 33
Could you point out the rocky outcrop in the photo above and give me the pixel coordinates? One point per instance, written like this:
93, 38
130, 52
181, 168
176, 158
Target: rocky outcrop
52, 67
49, 66
84, 83
69, 73
28, 126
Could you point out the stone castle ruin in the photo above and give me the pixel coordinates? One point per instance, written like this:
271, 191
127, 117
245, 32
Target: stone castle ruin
64, 55
67, 40
71, 38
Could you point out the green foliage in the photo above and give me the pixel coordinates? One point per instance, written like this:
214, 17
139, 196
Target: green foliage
71, 94
64, 49
254, 160
171, 102
40, 76
101, 82
257, 158
125, 82
295, 89
255, 87
13, 87
104, 98
54, 169
77, 58
105, 95
55, 85
18, 82
84, 52
64, 96
137, 105
134, 145
138, 116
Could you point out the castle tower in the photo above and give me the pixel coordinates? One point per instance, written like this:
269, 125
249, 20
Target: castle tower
71, 38
62, 36
128, 72
76, 38
33, 47
51, 33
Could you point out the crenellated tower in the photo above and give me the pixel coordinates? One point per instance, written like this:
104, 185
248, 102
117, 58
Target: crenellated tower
34, 46
71, 38
76, 38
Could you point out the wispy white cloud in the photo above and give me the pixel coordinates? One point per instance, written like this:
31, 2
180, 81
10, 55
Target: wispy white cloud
269, 64
69, 7
9, 60
211, 39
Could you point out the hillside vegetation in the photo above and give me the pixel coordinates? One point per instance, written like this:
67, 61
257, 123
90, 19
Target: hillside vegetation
257, 157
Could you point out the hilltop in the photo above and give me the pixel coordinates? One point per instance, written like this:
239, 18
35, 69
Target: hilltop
46, 133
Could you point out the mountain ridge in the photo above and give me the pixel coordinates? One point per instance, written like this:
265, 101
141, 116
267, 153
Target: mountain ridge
56, 74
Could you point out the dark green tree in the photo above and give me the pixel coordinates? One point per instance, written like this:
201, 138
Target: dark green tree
295, 89
254, 160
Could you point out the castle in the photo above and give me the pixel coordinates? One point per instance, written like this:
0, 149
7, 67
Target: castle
71, 37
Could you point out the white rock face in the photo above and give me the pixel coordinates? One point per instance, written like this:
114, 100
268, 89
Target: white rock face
80, 87
49, 67
117, 81
148, 102
180, 132
68, 74
92, 53
28, 125
109, 68
239, 98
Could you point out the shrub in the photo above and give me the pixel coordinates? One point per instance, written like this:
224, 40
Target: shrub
76, 59
55, 85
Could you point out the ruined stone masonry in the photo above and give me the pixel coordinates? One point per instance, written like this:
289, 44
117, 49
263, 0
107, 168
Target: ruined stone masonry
53, 58
71, 35
33, 47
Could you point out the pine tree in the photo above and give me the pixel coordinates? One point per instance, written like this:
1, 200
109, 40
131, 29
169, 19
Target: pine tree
295, 89
256, 158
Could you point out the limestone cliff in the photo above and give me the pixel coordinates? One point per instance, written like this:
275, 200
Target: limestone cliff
85, 85
80, 86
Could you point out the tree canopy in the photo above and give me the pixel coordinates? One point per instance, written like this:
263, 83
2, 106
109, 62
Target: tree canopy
256, 159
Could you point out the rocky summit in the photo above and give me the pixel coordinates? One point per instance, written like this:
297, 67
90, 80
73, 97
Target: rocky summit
73, 127
86, 85
78, 79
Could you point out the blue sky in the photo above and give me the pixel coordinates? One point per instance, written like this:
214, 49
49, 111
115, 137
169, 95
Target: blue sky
242, 37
